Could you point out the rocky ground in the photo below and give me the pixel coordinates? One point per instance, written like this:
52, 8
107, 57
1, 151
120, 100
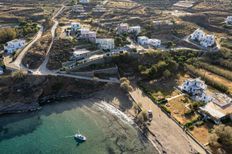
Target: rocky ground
29, 92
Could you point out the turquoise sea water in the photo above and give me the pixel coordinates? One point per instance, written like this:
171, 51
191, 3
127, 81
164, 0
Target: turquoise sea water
50, 130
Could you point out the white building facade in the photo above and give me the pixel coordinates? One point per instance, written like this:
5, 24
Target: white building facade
106, 44
87, 34
154, 42
134, 29
202, 38
84, 1
12, 46
197, 89
229, 20
143, 40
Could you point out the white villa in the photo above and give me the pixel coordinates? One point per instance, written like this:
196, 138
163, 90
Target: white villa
229, 20
87, 34
205, 40
208, 41
134, 29
106, 44
11, 46
145, 41
196, 88
84, 1
75, 26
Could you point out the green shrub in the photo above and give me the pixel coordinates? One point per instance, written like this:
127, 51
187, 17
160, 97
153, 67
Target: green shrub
165, 109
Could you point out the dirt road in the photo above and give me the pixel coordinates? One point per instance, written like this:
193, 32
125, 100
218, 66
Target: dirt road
168, 135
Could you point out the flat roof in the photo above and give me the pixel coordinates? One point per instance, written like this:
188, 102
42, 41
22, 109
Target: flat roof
216, 111
81, 51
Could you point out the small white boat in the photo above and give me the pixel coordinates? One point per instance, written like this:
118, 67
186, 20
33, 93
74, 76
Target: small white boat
80, 137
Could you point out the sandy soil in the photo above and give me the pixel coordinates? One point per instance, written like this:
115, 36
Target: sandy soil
170, 137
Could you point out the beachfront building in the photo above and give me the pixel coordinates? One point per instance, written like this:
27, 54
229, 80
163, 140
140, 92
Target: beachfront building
12, 46
106, 44
75, 26
197, 89
204, 40
87, 34
219, 108
229, 20
122, 28
134, 29
84, 1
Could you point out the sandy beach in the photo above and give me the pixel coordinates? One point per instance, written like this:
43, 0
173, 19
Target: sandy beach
169, 137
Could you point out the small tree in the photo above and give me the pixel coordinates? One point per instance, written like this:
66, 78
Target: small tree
167, 74
18, 75
221, 139
125, 84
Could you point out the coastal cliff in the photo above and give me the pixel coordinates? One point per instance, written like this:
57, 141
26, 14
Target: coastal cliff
30, 92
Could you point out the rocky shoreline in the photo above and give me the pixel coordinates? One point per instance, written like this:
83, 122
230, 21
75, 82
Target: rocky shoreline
31, 93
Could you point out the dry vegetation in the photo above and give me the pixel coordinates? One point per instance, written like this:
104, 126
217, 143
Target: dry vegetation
37, 52
60, 52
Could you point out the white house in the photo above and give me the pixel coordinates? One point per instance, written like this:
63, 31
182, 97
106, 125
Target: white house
134, 29
122, 28
143, 40
202, 38
75, 26
11, 46
197, 89
87, 34
154, 42
208, 41
84, 1
106, 44
229, 20
197, 35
